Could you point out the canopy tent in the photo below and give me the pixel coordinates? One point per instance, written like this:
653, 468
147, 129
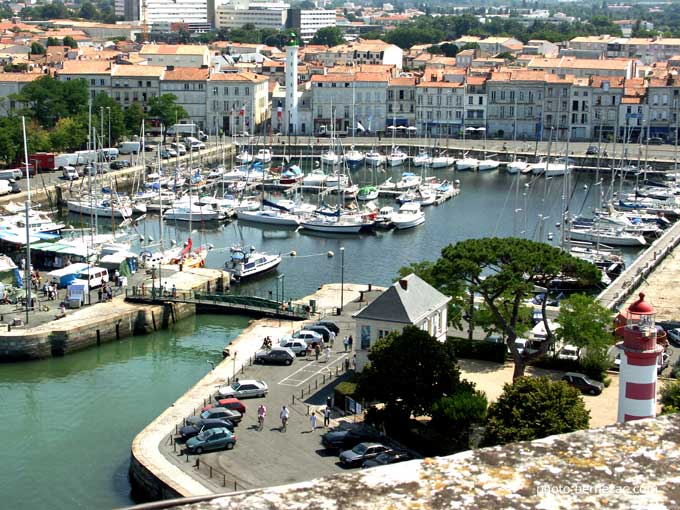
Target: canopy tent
9, 273
123, 261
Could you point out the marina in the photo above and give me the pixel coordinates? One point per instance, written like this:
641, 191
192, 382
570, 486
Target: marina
488, 203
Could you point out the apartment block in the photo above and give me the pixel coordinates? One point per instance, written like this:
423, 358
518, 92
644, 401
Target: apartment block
236, 102
176, 55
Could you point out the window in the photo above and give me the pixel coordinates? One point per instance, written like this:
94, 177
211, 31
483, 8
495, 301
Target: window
459, 100
550, 91
429, 100
401, 94
186, 86
390, 95
92, 81
502, 112
389, 108
449, 100
493, 96
521, 95
236, 91
148, 83
102, 82
429, 115
471, 100
439, 100
458, 114
139, 83
216, 91
502, 95
512, 111
512, 95
246, 90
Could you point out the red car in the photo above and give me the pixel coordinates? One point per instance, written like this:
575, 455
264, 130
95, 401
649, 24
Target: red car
229, 403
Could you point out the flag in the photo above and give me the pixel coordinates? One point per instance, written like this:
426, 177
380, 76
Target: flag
360, 127
279, 110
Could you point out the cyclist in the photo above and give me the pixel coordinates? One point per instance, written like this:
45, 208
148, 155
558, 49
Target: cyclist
261, 413
284, 417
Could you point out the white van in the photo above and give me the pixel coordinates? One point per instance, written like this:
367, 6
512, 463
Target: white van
5, 187
70, 173
94, 277
110, 153
129, 147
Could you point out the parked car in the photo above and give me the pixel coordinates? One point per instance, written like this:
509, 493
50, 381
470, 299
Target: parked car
119, 164
592, 150
193, 143
322, 330
245, 388
330, 325
164, 154
179, 147
389, 457
583, 383
171, 152
148, 147
211, 439
569, 352
523, 346
362, 452
345, 439
275, 355
232, 404
673, 336
70, 173
655, 140
308, 336
211, 423
217, 413
297, 345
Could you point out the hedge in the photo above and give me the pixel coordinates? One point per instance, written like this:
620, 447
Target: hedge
478, 349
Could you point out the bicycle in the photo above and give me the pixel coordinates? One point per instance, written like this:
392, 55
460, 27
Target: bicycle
284, 423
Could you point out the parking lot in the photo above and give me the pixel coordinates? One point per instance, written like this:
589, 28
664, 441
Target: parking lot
272, 456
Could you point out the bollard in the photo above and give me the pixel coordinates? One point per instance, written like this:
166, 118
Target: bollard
307, 410
174, 446
309, 388
187, 457
302, 392
292, 402
224, 481
324, 379
316, 384
210, 472
235, 485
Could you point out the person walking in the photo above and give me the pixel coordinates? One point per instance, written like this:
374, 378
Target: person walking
261, 413
327, 354
326, 417
317, 351
331, 338
345, 342
284, 418
312, 420
350, 341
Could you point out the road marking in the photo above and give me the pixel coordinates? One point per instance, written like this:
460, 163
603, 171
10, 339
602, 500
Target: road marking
315, 368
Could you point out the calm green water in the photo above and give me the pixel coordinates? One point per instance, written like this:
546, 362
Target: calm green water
68, 423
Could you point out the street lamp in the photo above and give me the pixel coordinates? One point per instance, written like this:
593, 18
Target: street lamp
108, 109
342, 278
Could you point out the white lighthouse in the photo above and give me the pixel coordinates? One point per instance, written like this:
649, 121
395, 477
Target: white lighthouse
291, 117
639, 354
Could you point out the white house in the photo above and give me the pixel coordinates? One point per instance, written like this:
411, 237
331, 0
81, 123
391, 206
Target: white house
408, 302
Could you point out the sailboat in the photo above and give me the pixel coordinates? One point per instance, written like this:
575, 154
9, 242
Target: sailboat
354, 157
368, 193
331, 157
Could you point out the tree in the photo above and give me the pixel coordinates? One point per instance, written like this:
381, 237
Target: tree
134, 116
455, 414
53, 41
69, 134
670, 397
532, 408
503, 272
328, 36
70, 42
88, 11
46, 100
166, 109
110, 109
449, 49
307, 5
37, 49
586, 324
10, 138
409, 372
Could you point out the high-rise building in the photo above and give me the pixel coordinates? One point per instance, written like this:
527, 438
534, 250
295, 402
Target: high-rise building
237, 13
307, 22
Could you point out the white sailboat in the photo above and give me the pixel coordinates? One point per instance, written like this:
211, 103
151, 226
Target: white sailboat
270, 217
396, 157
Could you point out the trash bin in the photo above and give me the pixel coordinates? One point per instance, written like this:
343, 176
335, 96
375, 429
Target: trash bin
312, 305
338, 311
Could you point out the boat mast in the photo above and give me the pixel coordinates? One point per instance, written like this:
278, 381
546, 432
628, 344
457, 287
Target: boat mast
27, 206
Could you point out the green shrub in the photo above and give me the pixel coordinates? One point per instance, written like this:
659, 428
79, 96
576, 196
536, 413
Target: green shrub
478, 349
344, 389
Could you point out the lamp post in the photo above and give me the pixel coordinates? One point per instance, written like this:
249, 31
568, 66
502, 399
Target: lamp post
342, 278
108, 109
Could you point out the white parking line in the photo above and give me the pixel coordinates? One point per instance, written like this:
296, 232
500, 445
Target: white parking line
298, 378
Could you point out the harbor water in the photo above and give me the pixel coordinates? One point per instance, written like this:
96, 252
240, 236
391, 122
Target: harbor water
68, 422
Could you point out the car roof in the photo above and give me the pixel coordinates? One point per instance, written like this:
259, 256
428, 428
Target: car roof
307, 331
229, 400
576, 374
368, 445
248, 381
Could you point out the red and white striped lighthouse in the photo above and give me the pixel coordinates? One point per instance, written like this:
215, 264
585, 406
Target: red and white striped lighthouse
637, 379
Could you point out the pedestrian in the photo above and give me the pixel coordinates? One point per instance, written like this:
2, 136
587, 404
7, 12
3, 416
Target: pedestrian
331, 338
317, 351
329, 401
261, 413
63, 310
312, 420
174, 290
354, 361
346, 364
350, 341
284, 418
326, 416
99, 294
327, 354
345, 342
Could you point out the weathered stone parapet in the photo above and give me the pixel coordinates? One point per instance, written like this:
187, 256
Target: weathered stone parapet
631, 466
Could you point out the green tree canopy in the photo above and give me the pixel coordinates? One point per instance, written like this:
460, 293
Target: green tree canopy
455, 414
532, 408
53, 41
408, 372
47, 100
329, 36
88, 11
134, 116
166, 109
670, 397
10, 138
584, 323
70, 42
503, 272
102, 106
69, 134
37, 49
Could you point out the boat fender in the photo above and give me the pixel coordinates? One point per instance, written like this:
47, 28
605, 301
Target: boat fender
330, 254
293, 253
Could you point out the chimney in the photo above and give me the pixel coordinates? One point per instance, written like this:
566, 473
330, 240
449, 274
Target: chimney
403, 283
169, 68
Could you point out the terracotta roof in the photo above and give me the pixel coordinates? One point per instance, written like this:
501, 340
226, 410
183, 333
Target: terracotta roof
242, 76
138, 71
85, 67
476, 80
403, 81
440, 84
186, 74
19, 77
349, 77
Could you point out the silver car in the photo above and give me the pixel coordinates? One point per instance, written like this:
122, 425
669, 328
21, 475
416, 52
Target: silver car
245, 388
